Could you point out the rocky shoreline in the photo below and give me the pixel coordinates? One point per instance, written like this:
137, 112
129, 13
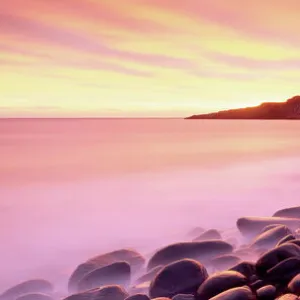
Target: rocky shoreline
260, 259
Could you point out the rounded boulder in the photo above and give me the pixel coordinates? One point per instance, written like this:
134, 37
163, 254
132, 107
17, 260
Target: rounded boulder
112, 292
275, 256
291, 212
132, 257
240, 293
202, 251
138, 297
252, 226
270, 238
181, 277
115, 274
294, 285
220, 282
267, 292
28, 287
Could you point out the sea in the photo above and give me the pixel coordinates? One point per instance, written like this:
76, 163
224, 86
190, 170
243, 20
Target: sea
74, 188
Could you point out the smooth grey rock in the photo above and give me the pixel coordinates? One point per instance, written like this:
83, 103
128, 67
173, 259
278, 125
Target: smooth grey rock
112, 292
294, 285
220, 282
270, 238
202, 251
135, 260
115, 274
240, 293
275, 256
181, 277
28, 287
267, 292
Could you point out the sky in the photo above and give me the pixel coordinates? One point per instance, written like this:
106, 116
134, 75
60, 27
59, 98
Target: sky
134, 58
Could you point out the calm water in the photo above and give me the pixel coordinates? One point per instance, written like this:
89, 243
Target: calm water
73, 188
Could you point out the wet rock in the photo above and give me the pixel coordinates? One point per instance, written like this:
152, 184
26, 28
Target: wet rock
294, 285
270, 238
240, 293
284, 271
202, 251
275, 256
138, 297
211, 234
220, 282
288, 297
181, 277
35, 296
285, 239
132, 257
256, 285
141, 288
246, 268
252, 226
149, 275
268, 227
184, 297
267, 292
291, 212
115, 274
224, 262
296, 242
112, 292
28, 287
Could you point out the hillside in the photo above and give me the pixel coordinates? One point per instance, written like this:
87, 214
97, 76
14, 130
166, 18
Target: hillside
269, 110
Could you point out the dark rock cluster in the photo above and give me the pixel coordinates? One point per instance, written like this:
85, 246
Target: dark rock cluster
263, 264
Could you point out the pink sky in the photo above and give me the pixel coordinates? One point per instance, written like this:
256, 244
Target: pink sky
146, 57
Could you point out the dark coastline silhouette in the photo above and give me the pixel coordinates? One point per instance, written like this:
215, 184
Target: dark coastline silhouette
288, 110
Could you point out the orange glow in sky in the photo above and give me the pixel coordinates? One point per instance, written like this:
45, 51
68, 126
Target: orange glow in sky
146, 57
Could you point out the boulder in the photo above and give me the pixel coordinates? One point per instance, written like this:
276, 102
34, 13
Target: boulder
149, 275
180, 277
285, 239
268, 227
256, 285
220, 282
240, 293
275, 256
115, 274
282, 273
110, 292
291, 212
252, 226
28, 287
246, 268
138, 297
288, 297
184, 297
35, 296
270, 238
202, 251
141, 288
294, 285
267, 292
132, 257
295, 242
224, 262
211, 234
